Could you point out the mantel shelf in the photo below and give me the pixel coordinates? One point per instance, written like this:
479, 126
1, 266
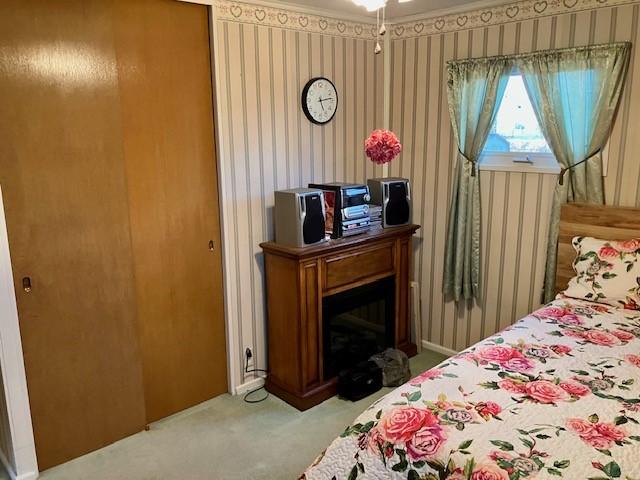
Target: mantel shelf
338, 244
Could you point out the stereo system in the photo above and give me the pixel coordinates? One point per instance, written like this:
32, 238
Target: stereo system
300, 217
307, 216
346, 208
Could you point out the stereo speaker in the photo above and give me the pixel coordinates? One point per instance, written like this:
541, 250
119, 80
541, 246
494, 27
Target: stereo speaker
299, 217
394, 196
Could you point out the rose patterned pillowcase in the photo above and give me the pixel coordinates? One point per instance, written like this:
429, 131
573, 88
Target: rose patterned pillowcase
606, 272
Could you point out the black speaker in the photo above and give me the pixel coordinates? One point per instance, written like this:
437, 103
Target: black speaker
313, 225
299, 217
394, 196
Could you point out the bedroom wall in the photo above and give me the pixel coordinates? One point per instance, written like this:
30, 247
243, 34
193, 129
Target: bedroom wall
263, 58
515, 206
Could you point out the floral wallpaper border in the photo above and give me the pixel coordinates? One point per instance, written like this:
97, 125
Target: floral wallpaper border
511, 12
290, 19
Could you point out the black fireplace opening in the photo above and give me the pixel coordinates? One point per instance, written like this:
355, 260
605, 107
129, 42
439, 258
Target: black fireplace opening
357, 324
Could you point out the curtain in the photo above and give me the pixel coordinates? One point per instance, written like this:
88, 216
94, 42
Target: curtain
575, 93
475, 90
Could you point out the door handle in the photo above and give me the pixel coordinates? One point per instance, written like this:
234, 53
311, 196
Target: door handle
212, 246
26, 284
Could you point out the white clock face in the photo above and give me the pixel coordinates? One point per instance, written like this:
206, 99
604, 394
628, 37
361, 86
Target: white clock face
320, 100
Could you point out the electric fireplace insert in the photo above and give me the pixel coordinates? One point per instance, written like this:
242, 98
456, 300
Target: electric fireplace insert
357, 324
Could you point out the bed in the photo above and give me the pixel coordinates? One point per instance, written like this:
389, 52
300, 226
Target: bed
556, 395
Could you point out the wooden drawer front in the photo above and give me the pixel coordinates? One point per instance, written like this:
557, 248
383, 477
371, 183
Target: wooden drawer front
351, 267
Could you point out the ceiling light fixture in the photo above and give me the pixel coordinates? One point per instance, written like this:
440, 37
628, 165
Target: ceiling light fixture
376, 6
373, 5
370, 5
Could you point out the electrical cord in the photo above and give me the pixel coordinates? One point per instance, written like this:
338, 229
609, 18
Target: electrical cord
255, 390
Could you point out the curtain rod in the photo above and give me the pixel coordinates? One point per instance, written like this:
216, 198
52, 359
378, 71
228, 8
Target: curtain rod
601, 46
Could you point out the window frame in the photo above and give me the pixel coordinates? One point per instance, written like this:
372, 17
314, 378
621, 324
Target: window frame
545, 163
517, 162
525, 162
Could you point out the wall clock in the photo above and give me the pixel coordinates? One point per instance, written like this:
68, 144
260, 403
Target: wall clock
319, 100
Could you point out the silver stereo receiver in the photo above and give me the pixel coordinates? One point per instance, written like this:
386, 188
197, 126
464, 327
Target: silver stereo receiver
347, 209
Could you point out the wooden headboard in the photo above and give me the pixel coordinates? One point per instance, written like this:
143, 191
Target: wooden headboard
607, 223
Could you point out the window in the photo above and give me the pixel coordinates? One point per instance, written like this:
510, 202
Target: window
516, 142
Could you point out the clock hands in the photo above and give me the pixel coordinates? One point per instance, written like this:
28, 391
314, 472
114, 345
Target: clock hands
322, 100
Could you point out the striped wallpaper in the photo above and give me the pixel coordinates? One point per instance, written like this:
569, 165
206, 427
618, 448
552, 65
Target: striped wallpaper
267, 144
515, 206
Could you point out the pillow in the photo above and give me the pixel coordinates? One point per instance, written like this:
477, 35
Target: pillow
607, 272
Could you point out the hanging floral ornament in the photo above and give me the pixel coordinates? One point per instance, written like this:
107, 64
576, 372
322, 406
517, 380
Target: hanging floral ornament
382, 146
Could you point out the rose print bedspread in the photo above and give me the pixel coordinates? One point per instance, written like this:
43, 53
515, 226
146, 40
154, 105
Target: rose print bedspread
557, 395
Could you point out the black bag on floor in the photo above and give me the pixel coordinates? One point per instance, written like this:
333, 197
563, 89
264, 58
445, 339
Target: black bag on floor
360, 381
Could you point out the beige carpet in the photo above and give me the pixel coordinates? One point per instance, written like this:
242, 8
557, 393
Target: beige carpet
227, 439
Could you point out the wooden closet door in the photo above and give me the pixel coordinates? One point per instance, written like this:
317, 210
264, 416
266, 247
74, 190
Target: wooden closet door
167, 114
65, 192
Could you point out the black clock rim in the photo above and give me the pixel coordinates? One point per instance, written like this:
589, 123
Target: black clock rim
305, 109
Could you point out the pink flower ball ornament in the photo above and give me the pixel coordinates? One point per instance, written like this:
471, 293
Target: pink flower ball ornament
382, 146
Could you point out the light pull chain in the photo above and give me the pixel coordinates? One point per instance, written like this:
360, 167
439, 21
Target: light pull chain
378, 47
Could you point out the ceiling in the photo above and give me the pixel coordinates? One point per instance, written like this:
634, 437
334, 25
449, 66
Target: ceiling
394, 9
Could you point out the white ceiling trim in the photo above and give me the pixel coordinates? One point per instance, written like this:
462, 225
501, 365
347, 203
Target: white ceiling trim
433, 24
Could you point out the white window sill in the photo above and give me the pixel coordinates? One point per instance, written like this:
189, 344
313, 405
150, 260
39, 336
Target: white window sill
504, 162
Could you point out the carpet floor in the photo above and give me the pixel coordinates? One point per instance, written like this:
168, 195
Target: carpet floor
227, 439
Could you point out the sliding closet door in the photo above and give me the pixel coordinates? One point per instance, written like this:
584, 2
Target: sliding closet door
166, 94
63, 176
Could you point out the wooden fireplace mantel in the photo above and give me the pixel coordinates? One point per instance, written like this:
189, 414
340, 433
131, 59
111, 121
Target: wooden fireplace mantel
297, 281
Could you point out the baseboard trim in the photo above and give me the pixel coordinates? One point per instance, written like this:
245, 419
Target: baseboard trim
248, 386
438, 348
27, 476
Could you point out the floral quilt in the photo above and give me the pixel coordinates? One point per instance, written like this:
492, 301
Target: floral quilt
557, 395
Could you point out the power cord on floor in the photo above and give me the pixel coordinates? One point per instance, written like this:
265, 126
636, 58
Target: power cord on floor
255, 390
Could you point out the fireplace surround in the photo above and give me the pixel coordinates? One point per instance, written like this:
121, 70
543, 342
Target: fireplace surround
307, 285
